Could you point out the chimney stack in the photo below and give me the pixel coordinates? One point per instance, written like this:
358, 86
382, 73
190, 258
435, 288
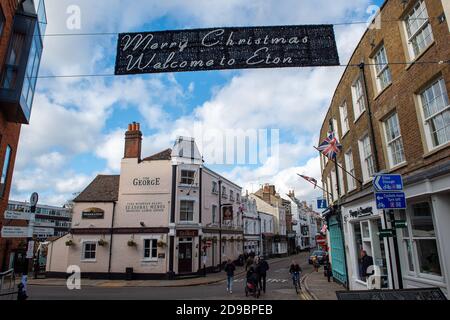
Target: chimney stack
133, 141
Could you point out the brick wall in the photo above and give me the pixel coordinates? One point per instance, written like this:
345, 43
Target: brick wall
401, 95
9, 135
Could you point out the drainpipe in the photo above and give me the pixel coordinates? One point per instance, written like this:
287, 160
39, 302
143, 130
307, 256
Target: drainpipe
111, 239
220, 224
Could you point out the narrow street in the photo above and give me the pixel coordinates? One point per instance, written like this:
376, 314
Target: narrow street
279, 287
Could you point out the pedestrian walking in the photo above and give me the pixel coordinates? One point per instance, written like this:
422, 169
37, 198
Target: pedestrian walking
229, 269
327, 268
365, 262
261, 270
316, 264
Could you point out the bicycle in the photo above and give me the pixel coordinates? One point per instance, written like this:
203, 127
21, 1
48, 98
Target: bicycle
296, 281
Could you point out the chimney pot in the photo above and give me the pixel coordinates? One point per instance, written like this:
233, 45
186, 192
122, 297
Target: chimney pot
133, 142
130, 127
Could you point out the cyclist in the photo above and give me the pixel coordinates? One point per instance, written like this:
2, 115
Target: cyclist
295, 270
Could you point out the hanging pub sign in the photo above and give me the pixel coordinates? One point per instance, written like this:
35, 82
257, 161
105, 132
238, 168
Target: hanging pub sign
93, 213
226, 48
227, 213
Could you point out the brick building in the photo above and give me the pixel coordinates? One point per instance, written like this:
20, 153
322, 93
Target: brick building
391, 114
22, 25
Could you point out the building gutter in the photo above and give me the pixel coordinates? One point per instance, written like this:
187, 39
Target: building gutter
111, 238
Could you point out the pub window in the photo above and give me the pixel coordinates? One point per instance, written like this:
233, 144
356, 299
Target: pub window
89, 248
214, 213
5, 170
231, 195
186, 210
150, 249
224, 192
187, 177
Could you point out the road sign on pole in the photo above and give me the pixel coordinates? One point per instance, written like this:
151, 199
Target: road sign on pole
321, 203
390, 200
385, 233
14, 232
388, 182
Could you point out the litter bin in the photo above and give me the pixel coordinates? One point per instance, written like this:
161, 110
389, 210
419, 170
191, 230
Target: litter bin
129, 273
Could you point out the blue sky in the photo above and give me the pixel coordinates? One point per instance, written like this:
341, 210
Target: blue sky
78, 124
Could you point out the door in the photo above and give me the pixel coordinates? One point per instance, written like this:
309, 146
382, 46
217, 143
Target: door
185, 257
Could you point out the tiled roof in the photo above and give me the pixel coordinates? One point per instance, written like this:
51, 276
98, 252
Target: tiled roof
163, 155
104, 188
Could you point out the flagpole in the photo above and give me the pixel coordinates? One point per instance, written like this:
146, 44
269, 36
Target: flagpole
315, 185
341, 167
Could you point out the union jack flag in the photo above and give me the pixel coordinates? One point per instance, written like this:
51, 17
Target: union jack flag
312, 180
330, 147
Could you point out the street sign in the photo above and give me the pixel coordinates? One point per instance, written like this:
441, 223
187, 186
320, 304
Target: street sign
390, 200
17, 215
385, 233
322, 203
14, 232
40, 230
388, 182
400, 224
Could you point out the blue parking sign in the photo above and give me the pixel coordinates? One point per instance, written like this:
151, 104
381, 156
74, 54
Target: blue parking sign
322, 203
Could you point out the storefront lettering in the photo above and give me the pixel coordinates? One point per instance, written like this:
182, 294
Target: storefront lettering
146, 181
361, 212
147, 207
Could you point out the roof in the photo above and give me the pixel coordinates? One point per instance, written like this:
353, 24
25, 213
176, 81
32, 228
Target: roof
104, 188
163, 155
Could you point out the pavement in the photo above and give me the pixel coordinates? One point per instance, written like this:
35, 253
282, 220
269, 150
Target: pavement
317, 285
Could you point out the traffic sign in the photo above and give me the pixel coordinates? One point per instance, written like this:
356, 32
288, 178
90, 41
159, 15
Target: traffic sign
17, 215
385, 233
388, 182
390, 200
321, 203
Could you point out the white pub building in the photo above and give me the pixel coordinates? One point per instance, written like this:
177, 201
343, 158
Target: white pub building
163, 216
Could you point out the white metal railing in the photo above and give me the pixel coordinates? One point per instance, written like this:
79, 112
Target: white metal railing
7, 285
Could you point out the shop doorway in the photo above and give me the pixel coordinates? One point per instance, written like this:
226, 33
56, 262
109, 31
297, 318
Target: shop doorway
185, 256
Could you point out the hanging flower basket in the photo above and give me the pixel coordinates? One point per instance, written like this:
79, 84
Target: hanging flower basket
131, 243
102, 242
161, 244
69, 243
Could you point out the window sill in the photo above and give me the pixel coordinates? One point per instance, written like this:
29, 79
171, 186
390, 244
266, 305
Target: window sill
413, 62
398, 166
184, 185
436, 150
382, 91
359, 116
88, 261
150, 260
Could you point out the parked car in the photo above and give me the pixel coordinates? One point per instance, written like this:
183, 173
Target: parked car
321, 255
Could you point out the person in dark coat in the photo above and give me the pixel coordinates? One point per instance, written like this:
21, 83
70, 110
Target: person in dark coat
229, 269
261, 270
366, 262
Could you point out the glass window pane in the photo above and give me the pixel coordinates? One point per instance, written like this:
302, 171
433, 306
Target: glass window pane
408, 249
422, 221
365, 229
428, 257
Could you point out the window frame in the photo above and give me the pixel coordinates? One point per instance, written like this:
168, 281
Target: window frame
379, 72
188, 178
180, 212
426, 120
151, 249
410, 37
413, 243
349, 156
390, 143
365, 168
343, 114
83, 251
358, 101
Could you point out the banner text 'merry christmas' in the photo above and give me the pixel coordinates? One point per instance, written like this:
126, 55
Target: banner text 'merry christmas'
226, 48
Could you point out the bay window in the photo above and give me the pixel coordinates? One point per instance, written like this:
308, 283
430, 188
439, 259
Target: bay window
150, 249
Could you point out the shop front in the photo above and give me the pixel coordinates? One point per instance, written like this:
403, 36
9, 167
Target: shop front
366, 249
